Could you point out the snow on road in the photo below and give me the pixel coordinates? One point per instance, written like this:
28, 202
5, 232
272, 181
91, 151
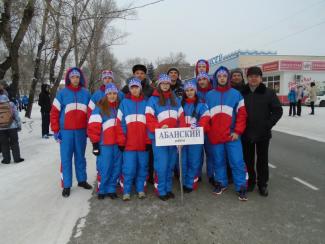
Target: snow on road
308, 126
32, 209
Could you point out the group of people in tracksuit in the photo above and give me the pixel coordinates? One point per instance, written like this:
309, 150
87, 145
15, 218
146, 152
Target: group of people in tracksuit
121, 125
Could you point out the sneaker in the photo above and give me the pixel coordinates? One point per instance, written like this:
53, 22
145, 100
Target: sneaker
101, 196
126, 197
141, 195
242, 196
263, 191
112, 195
45, 137
219, 189
187, 190
66, 192
163, 198
85, 185
20, 160
170, 195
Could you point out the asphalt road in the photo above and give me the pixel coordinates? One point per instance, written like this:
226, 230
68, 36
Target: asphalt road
294, 212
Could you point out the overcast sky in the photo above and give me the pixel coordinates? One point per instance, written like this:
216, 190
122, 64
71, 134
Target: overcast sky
205, 28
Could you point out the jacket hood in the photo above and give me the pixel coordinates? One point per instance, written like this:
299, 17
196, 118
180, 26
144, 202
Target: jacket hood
215, 79
197, 66
82, 77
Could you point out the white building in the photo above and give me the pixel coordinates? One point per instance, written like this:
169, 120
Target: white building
280, 72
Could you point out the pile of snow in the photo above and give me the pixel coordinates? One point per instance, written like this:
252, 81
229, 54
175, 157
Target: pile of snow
308, 126
32, 208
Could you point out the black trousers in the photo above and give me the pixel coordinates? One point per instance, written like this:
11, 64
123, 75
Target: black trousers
292, 110
312, 105
299, 107
261, 149
45, 123
9, 139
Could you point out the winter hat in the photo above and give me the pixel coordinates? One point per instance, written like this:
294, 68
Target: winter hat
190, 84
238, 71
74, 72
163, 78
139, 67
173, 69
254, 71
107, 74
110, 87
202, 75
135, 82
222, 71
4, 98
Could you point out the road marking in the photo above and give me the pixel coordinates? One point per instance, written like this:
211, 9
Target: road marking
272, 166
306, 183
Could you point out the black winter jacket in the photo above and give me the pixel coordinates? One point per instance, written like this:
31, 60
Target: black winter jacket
44, 99
264, 110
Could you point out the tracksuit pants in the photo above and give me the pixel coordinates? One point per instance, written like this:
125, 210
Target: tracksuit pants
165, 159
109, 163
134, 169
191, 162
233, 150
262, 162
73, 145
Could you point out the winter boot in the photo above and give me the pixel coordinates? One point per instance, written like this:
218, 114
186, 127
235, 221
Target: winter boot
187, 190
101, 196
163, 198
66, 192
263, 191
85, 185
112, 195
170, 195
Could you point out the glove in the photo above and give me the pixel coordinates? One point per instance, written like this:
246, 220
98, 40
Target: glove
193, 125
148, 147
122, 148
96, 150
58, 137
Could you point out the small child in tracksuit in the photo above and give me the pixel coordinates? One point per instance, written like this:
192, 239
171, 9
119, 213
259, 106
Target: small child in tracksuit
228, 122
163, 111
107, 77
196, 115
203, 87
102, 131
133, 140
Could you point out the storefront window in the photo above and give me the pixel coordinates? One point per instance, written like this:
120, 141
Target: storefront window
272, 82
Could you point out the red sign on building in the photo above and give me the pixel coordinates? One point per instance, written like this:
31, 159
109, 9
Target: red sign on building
291, 65
318, 65
273, 66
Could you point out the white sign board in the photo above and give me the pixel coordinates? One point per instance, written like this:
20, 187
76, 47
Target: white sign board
179, 136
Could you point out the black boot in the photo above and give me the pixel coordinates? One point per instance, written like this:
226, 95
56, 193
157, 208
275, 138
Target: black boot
112, 195
19, 160
85, 185
170, 195
5, 162
263, 191
163, 198
101, 196
187, 190
66, 192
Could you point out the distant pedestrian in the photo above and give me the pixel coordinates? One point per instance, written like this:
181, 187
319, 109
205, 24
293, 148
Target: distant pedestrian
312, 97
10, 124
25, 102
292, 98
300, 97
44, 101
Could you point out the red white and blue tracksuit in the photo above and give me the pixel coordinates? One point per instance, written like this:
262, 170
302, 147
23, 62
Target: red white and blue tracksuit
97, 96
132, 121
103, 129
165, 157
201, 93
228, 115
69, 118
195, 113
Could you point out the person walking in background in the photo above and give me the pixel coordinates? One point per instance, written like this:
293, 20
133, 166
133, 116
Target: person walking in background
264, 110
24, 102
300, 97
10, 125
292, 98
44, 101
312, 96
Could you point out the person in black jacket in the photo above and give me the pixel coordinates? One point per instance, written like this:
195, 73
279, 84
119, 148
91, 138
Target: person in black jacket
44, 101
177, 85
237, 79
264, 111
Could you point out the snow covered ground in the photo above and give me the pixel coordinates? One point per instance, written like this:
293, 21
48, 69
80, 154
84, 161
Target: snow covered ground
32, 209
308, 126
